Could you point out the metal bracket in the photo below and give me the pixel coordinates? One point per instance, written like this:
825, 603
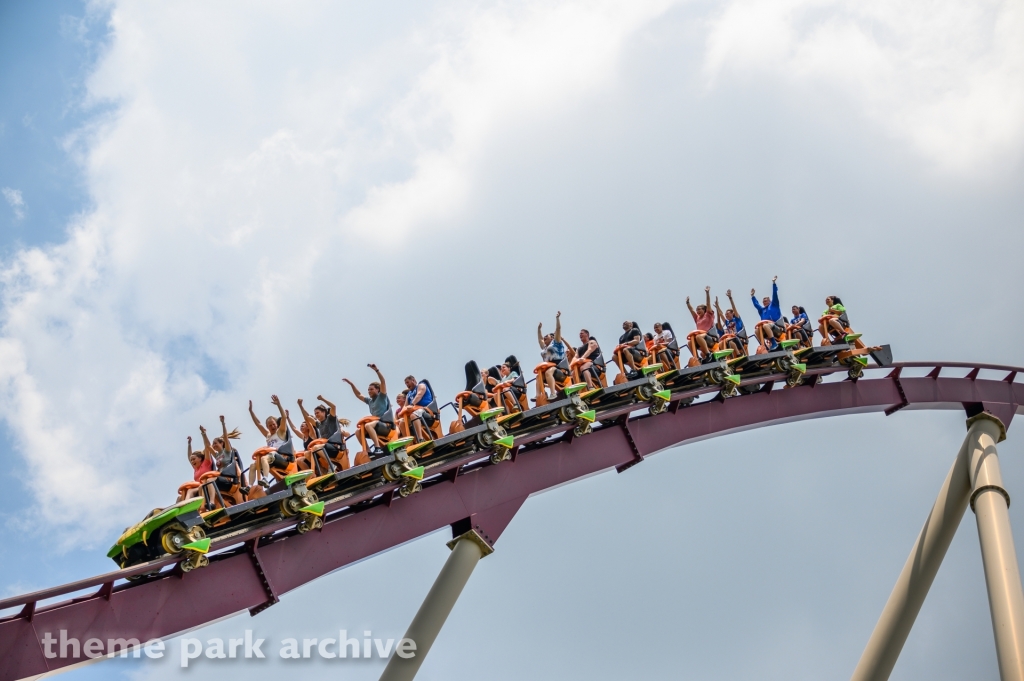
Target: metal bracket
637, 457
895, 376
254, 554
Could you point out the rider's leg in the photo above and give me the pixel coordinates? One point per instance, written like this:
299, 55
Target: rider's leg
549, 379
702, 343
587, 374
371, 430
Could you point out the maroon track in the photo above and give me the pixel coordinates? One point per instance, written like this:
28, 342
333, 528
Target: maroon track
270, 561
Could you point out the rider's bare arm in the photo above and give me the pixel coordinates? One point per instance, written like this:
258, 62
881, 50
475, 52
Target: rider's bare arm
256, 420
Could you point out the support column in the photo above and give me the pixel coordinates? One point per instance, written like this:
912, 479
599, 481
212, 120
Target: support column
893, 627
467, 550
990, 503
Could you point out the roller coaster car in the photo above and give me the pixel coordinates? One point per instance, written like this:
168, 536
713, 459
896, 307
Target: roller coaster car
174, 530
667, 355
509, 396
781, 361
626, 374
850, 356
482, 432
716, 352
563, 379
715, 372
646, 388
287, 498
729, 342
433, 428
396, 464
472, 401
568, 407
363, 456
598, 372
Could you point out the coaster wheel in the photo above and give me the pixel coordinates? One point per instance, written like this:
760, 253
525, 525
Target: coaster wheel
173, 537
716, 376
644, 393
855, 372
581, 429
659, 406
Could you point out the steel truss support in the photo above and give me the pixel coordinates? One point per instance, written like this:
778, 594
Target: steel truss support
467, 550
975, 480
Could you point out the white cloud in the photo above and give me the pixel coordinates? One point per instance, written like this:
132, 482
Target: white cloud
237, 164
15, 200
946, 77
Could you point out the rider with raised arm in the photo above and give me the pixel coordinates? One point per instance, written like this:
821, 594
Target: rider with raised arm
705, 335
586, 353
377, 400
201, 461
226, 458
732, 324
325, 419
769, 311
276, 433
552, 351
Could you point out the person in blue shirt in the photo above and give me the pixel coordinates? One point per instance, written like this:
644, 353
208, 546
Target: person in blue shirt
552, 351
800, 325
420, 397
769, 311
730, 322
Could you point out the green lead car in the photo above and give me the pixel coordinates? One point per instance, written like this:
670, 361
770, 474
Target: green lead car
173, 530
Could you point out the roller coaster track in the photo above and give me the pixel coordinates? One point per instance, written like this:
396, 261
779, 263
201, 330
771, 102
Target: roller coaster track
250, 571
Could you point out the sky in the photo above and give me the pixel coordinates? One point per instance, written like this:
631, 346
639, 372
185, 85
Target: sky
207, 204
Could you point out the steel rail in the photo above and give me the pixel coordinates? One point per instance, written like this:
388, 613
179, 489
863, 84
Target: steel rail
254, 568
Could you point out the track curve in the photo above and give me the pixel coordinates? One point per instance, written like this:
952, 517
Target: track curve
254, 569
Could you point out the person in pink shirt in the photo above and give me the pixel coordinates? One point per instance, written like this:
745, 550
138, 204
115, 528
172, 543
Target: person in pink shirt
706, 334
201, 461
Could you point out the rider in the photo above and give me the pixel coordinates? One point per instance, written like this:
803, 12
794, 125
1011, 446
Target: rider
326, 419
732, 323
630, 349
801, 325
706, 335
769, 311
226, 458
586, 353
508, 376
377, 400
663, 337
276, 433
201, 461
552, 350
420, 398
834, 318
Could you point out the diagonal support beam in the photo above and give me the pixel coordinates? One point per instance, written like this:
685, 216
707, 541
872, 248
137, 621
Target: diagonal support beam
907, 597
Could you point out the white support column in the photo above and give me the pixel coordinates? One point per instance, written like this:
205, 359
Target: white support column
467, 550
893, 627
990, 503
